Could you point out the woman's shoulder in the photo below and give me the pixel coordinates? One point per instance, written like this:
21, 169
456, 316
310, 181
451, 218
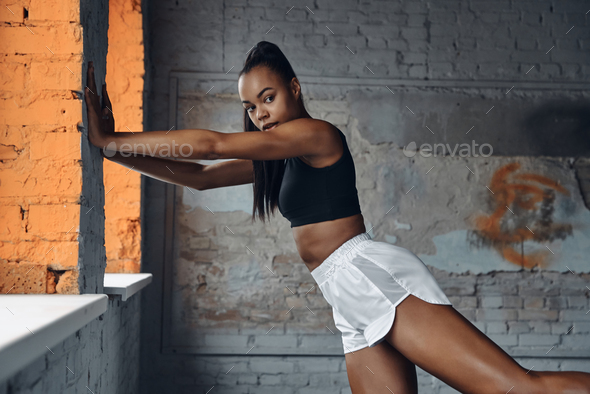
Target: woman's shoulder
324, 126
315, 124
331, 137
332, 152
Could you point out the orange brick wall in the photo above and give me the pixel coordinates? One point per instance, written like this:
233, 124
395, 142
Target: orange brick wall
40, 156
42, 202
125, 72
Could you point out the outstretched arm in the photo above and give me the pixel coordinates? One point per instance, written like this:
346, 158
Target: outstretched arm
298, 137
182, 144
181, 173
184, 173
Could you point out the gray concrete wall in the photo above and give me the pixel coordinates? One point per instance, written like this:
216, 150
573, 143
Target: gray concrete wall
513, 75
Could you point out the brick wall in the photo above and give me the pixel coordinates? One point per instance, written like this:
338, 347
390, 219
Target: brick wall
51, 204
124, 79
52, 233
101, 357
433, 55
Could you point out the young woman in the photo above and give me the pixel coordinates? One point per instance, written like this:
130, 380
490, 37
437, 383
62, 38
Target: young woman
303, 166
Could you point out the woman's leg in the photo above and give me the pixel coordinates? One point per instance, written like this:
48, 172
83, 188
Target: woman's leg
565, 381
445, 344
380, 369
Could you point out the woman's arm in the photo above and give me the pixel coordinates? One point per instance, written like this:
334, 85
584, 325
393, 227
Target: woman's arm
172, 171
181, 144
194, 175
298, 137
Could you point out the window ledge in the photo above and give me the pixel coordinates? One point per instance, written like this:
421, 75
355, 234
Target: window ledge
34, 323
125, 285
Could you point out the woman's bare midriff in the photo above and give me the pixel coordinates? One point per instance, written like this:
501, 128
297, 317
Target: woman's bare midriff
316, 241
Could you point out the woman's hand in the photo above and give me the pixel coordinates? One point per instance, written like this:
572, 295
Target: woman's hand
101, 123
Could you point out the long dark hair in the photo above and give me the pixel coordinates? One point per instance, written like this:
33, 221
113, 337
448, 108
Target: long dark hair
268, 174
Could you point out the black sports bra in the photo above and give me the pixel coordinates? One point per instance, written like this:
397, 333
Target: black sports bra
312, 195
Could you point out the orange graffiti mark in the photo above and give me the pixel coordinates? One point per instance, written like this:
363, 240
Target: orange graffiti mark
522, 212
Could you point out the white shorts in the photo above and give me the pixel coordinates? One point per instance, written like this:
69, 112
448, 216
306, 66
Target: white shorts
364, 281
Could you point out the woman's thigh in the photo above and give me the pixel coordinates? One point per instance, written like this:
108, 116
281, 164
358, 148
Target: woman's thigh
442, 342
380, 369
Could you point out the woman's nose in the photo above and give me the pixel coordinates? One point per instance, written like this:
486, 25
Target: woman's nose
262, 114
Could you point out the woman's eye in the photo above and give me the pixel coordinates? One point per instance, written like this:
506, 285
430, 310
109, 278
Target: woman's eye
249, 108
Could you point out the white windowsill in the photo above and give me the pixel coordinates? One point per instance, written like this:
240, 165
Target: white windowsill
31, 324
125, 285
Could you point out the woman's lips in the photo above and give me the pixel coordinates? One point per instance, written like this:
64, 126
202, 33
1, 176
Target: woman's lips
272, 127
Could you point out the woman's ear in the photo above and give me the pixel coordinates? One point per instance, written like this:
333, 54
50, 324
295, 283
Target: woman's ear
295, 87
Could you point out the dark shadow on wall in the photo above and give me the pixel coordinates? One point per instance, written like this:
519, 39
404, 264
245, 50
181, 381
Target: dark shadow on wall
558, 128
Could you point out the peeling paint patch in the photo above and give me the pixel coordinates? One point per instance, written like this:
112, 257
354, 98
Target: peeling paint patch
225, 199
245, 278
392, 239
402, 226
455, 255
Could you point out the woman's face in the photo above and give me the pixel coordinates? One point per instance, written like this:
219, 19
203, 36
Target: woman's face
266, 98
